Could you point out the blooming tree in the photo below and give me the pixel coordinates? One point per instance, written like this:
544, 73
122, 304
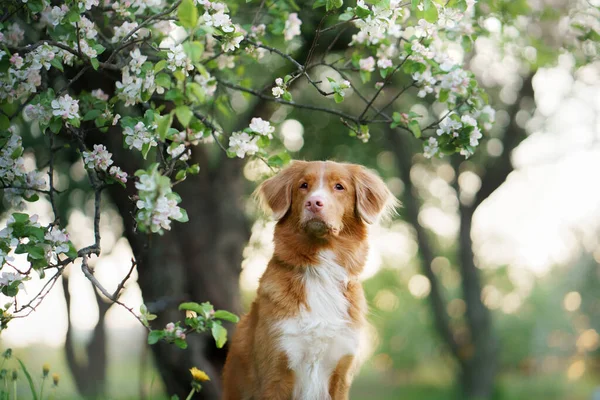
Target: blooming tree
173, 64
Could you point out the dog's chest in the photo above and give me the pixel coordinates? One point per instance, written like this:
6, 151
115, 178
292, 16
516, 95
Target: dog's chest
322, 333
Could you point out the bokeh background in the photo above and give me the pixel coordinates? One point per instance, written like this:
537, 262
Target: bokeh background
511, 235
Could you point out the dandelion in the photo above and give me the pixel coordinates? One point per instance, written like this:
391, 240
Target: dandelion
198, 375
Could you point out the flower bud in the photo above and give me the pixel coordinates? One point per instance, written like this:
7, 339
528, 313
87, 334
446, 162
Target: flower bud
45, 369
55, 379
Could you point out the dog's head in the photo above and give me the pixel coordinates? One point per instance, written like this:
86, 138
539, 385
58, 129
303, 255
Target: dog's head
323, 198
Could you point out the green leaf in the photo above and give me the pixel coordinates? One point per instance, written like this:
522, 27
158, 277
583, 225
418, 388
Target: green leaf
461, 5
287, 96
194, 50
415, 128
184, 217
163, 80
180, 175
279, 160
188, 14
72, 253
57, 64
338, 97
226, 315
181, 343
95, 63
362, 12
184, 115
444, 93
29, 380
20, 218
414, 4
430, 11
197, 91
159, 66
365, 76
194, 169
318, 4
73, 16
155, 336
4, 122
191, 306
220, 334
91, 115
163, 124
35, 6
331, 4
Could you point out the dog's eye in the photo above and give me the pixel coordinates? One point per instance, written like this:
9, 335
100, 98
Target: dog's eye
304, 185
338, 187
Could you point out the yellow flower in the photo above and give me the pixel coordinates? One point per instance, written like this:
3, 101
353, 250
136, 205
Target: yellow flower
198, 375
45, 369
55, 379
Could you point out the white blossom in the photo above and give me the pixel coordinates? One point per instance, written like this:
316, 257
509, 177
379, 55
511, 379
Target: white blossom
431, 148
99, 94
138, 136
448, 126
230, 43
66, 107
99, 158
118, 174
242, 144
278, 91
262, 127
292, 27
384, 63
137, 60
367, 64
208, 83
176, 58
122, 31
9, 277
59, 239
219, 20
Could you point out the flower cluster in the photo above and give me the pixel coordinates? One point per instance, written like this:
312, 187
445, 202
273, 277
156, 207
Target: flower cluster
245, 142
292, 27
24, 235
137, 79
101, 159
139, 136
157, 204
18, 183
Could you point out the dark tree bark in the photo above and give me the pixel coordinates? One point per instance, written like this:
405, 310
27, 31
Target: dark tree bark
89, 376
477, 356
196, 261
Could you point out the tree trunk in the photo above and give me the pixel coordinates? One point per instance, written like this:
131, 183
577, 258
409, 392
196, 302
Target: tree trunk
89, 376
481, 357
196, 261
477, 359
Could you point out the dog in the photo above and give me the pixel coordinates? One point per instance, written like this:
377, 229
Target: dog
301, 338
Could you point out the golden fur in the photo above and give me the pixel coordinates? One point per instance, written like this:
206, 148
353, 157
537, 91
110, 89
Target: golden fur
256, 367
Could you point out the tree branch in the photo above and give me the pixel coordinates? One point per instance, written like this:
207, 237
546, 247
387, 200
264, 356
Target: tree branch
412, 209
497, 172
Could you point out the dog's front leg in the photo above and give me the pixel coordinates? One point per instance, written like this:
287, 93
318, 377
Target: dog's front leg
341, 378
277, 387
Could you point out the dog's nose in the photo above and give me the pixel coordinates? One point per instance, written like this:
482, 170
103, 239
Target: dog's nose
314, 203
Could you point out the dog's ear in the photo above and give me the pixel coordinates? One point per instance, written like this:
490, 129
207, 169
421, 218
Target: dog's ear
373, 198
275, 194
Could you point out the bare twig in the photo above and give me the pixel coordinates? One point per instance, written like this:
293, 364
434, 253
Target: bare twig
112, 297
290, 103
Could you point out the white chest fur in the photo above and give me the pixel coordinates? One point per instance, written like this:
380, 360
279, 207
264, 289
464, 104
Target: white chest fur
321, 334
